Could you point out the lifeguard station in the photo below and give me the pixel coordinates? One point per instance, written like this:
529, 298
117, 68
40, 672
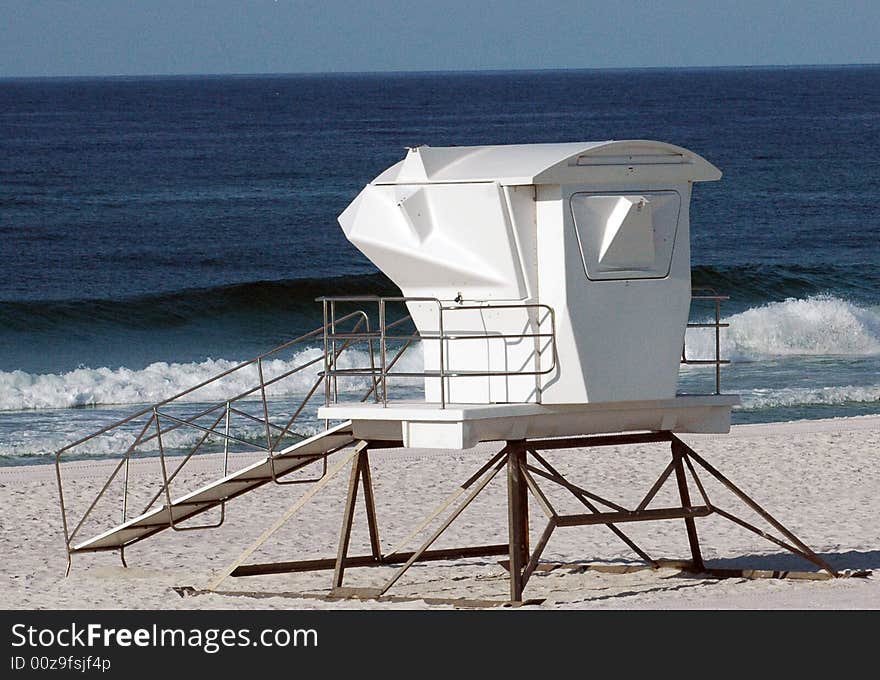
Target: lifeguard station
548, 289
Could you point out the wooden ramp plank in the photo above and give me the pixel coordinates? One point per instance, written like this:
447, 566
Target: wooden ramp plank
212, 495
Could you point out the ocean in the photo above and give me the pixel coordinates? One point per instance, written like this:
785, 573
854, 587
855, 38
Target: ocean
154, 231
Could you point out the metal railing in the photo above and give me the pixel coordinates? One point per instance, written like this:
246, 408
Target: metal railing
381, 373
159, 423
709, 294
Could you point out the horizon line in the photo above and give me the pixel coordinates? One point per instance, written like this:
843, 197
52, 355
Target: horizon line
401, 72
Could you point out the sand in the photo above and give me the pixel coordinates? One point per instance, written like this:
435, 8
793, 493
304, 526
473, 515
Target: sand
820, 478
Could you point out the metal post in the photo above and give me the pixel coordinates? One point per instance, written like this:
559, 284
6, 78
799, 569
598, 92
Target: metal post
226, 460
370, 503
326, 360
226, 442
348, 516
383, 349
539, 391
717, 346
691, 526
265, 407
125, 488
371, 347
63, 512
442, 360
125, 504
523, 503
164, 469
517, 519
333, 350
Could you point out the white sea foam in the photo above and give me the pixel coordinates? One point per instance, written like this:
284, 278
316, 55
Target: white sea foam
805, 396
159, 381
815, 326
44, 432
40, 442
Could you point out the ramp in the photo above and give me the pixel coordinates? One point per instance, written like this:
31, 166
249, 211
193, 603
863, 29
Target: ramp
214, 494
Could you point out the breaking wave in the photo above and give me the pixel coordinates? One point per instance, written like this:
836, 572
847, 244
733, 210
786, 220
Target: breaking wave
814, 326
105, 386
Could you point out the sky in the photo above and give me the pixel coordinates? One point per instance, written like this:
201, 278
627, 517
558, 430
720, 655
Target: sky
157, 37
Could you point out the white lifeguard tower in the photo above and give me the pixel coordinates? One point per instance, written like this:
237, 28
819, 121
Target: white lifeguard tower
548, 287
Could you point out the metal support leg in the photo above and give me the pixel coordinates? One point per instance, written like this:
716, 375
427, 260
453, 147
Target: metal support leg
523, 503
803, 549
517, 520
348, 515
520, 483
690, 524
370, 503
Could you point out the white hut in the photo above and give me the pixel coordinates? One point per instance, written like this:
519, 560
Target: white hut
550, 282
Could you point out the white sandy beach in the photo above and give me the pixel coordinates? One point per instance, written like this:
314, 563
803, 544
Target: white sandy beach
820, 478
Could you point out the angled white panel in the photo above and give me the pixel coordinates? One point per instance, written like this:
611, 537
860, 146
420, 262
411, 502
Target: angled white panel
626, 236
628, 240
439, 240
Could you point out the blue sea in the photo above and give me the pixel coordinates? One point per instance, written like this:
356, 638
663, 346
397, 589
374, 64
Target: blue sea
154, 231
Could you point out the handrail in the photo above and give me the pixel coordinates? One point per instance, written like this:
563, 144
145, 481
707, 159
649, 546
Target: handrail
157, 415
331, 373
718, 362
190, 390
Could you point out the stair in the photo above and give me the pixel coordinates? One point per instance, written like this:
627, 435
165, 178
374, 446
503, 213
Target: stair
212, 495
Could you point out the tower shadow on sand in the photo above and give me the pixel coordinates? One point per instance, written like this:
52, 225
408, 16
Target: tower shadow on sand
855, 560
